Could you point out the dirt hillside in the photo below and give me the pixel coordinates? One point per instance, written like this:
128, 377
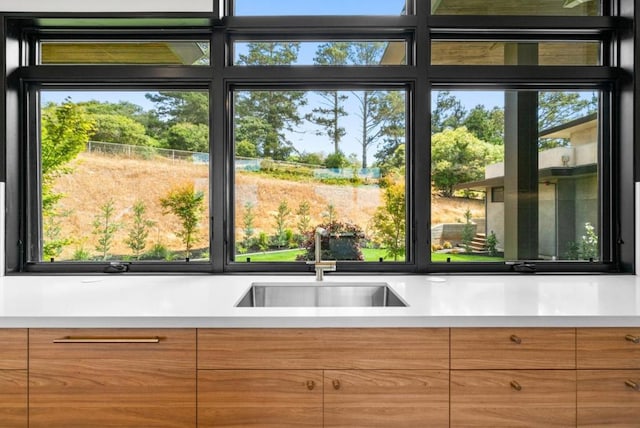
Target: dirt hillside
97, 178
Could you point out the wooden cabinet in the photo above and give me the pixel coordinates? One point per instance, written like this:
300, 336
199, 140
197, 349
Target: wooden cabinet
608, 361
608, 398
513, 398
608, 348
112, 378
323, 377
341, 348
260, 398
386, 398
13, 378
513, 348
513, 377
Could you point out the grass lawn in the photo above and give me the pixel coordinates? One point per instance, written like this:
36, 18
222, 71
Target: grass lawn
370, 255
442, 257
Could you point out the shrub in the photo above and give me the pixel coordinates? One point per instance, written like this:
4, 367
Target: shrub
342, 242
492, 244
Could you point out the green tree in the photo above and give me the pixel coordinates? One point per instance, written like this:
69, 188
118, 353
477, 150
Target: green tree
447, 113
65, 132
139, 232
487, 125
331, 106
105, 228
187, 204
336, 161
467, 231
389, 220
391, 114
193, 137
281, 218
263, 117
457, 156
181, 106
304, 217
558, 107
248, 226
119, 129
367, 53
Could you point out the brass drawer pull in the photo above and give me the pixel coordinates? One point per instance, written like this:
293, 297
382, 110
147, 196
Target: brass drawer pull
70, 339
336, 384
515, 339
632, 338
515, 385
633, 385
310, 385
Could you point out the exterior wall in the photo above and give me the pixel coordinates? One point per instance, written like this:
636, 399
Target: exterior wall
495, 219
547, 222
586, 200
106, 6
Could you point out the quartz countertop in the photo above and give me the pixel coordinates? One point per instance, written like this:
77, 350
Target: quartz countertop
209, 301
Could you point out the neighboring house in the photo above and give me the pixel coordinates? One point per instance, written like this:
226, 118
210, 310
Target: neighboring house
567, 189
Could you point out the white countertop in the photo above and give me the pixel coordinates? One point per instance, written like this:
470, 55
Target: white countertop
209, 301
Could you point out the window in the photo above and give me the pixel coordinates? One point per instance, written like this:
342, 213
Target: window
329, 158
517, 7
325, 7
129, 52
322, 53
500, 52
124, 176
439, 136
543, 181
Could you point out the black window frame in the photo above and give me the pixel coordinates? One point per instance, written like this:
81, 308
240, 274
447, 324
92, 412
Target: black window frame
614, 29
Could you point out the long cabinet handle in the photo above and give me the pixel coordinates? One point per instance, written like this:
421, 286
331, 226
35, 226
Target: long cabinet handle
70, 339
632, 338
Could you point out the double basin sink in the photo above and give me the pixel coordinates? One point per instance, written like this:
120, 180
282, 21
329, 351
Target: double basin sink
321, 294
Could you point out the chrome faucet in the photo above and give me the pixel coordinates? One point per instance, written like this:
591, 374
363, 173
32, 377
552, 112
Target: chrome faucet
320, 265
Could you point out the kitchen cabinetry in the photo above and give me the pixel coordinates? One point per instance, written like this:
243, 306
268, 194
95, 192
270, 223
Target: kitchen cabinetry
13, 378
112, 378
608, 361
328, 377
504, 377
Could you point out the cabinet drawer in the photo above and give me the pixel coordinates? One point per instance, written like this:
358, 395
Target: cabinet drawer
384, 348
125, 383
608, 348
13, 349
608, 398
386, 398
513, 398
13, 398
260, 398
512, 348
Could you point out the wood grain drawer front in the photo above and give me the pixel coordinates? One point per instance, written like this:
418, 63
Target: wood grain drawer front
260, 398
112, 384
609, 398
363, 348
13, 349
13, 398
513, 398
513, 348
608, 348
386, 398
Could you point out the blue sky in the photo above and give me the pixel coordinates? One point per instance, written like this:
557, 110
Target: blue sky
321, 7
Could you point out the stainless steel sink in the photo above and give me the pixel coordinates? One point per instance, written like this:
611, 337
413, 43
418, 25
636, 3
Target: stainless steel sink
347, 294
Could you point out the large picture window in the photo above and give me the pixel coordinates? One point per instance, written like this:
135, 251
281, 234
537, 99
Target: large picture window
329, 158
423, 136
124, 176
548, 174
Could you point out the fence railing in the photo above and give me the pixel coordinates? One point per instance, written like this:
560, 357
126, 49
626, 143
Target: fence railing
241, 163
